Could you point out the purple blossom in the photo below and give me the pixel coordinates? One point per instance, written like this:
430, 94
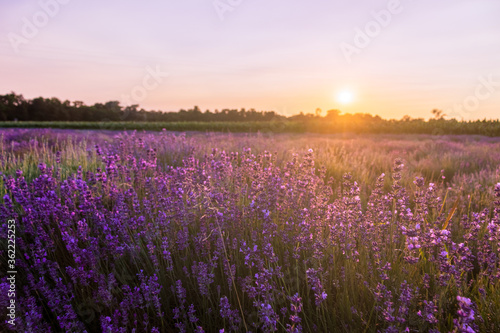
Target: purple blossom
161, 232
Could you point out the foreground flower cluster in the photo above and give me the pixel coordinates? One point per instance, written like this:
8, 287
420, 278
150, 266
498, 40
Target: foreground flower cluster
236, 242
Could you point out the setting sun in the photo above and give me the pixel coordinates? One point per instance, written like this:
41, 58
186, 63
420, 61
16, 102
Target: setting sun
345, 97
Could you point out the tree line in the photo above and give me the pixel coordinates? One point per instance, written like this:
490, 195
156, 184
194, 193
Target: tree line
40, 111
15, 107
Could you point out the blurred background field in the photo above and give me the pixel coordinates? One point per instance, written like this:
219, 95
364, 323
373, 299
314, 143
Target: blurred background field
469, 163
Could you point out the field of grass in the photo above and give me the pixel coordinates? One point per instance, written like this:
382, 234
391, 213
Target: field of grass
287, 232
345, 124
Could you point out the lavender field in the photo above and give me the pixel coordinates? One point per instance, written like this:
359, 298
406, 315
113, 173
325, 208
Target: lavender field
204, 232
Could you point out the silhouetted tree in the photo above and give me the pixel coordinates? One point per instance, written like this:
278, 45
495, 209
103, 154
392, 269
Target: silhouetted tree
438, 114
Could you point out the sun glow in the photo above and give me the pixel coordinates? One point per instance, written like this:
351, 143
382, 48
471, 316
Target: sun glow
345, 97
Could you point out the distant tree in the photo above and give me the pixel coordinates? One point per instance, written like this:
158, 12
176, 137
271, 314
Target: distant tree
332, 114
438, 114
113, 106
130, 113
13, 107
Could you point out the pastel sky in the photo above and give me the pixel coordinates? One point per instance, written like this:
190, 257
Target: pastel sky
283, 55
